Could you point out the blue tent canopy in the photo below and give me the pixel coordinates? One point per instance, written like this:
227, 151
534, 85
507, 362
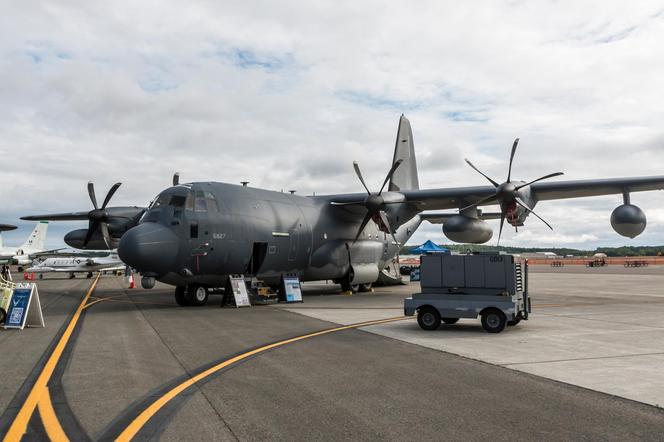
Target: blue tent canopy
428, 247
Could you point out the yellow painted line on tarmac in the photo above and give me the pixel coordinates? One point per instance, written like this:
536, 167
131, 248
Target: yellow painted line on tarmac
139, 422
51, 423
40, 389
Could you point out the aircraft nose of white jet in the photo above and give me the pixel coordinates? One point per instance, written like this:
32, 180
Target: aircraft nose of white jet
149, 247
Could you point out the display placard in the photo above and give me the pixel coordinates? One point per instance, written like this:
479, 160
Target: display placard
240, 294
415, 274
24, 308
292, 289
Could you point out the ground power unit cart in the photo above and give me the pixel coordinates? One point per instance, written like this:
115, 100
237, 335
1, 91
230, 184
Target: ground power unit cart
489, 285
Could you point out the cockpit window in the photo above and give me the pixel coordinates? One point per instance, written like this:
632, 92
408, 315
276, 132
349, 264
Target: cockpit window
185, 201
205, 202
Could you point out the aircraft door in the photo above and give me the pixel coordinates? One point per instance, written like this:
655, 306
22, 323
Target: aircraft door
294, 244
202, 257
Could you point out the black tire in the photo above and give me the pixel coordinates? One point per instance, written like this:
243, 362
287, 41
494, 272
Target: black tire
346, 286
180, 297
493, 320
196, 295
450, 321
428, 318
365, 287
513, 322
3, 315
19, 269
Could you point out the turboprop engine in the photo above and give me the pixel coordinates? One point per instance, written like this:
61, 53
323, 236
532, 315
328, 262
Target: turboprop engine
464, 229
628, 220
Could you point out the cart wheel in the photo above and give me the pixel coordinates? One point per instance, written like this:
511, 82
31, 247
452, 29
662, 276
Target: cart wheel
514, 321
450, 321
428, 318
493, 320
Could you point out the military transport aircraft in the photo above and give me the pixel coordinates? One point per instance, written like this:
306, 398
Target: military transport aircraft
195, 235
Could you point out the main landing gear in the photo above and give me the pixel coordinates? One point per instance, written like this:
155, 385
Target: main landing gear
191, 295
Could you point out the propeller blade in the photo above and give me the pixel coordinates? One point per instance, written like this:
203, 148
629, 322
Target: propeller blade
509, 171
92, 226
386, 222
350, 203
91, 192
106, 235
522, 204
359, 175
500, 232
176, 178
483, 201
551, 175
395, 166
110, 194
365, 221
495, 184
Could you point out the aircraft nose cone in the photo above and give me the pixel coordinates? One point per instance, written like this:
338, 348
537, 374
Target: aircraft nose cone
149, 247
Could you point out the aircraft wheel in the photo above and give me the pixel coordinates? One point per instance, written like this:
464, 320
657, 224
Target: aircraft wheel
428, 318
450, 321
72, 276
89, 275
365, 287
180, 297
41, 276
3, 315
346, 286
19, 269
197, 294
493, 320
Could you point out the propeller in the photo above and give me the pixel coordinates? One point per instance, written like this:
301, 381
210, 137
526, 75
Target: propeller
98, 217
374, 202
507, 194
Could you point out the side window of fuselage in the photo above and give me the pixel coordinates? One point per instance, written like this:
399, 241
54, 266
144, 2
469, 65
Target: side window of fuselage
205, 201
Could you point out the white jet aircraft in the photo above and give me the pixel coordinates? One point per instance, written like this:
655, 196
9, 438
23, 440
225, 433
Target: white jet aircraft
22, 255
77, 264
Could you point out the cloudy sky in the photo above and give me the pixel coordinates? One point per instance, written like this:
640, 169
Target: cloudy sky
287, 94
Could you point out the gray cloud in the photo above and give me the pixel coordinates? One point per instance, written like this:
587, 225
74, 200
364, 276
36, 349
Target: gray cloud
288, 95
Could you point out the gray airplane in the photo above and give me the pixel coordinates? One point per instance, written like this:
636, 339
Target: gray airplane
195, 235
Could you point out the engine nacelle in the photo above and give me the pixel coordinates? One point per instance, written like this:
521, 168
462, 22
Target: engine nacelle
75, 239
463, 229
628, 220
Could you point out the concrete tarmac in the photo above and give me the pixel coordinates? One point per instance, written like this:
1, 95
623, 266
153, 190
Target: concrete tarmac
131, 347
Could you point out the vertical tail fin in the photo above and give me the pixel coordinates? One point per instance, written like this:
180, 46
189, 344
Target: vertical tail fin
405, 177
37, 238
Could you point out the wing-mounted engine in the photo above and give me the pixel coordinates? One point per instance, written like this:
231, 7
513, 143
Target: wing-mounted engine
513, 196
628, 220
105, 224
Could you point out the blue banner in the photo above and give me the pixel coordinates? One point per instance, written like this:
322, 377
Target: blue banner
18, 307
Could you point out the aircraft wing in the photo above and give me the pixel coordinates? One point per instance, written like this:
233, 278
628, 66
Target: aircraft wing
583, 188
440, 199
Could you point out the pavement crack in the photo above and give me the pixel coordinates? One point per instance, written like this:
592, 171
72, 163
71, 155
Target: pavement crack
510, 364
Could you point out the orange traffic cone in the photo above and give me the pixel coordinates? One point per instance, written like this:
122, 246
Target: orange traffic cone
132, 284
